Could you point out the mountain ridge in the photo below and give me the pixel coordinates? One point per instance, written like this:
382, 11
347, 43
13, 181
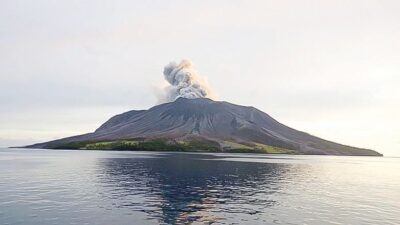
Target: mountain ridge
229, 125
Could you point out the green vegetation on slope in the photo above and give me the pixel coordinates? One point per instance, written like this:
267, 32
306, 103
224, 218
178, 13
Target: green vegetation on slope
150, 145
256, 148
168, 145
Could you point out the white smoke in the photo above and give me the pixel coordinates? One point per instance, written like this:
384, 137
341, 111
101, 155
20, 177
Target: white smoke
184, 82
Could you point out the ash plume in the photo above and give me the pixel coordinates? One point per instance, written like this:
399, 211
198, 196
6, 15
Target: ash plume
184, 82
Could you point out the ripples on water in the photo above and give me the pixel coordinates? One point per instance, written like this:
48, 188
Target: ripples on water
95, 187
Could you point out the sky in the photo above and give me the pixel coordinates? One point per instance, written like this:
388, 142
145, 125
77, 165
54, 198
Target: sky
330, 68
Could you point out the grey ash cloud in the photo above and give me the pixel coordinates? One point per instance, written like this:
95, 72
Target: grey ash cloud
184, 82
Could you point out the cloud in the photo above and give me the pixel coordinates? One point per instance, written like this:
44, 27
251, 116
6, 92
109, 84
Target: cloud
184, 82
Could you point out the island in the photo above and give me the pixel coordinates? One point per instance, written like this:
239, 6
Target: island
202, 125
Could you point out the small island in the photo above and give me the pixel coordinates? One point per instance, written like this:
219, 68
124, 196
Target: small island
202, 125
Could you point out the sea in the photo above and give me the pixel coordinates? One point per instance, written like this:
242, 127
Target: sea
45, 187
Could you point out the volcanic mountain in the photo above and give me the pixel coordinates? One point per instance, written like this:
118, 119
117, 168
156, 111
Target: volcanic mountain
202, 124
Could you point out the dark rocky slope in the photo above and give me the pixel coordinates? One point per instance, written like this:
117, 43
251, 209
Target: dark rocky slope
231, 126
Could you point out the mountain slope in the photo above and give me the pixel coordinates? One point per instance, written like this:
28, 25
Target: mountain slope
202, 119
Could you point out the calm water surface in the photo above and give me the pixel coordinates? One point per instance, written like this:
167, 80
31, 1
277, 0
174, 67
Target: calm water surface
98, 187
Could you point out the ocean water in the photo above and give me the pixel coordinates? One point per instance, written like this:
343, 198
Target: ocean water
109, 187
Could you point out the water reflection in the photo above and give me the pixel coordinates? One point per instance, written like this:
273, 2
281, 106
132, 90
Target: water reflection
186, 188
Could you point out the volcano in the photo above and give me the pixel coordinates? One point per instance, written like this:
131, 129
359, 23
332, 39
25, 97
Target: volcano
202, 124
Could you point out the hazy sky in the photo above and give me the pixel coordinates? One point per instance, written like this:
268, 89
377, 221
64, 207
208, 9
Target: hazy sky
330, 68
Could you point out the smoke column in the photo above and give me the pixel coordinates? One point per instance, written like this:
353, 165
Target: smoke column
184, 82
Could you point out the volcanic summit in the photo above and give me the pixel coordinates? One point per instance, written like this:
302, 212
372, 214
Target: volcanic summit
193, 124
191, 121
